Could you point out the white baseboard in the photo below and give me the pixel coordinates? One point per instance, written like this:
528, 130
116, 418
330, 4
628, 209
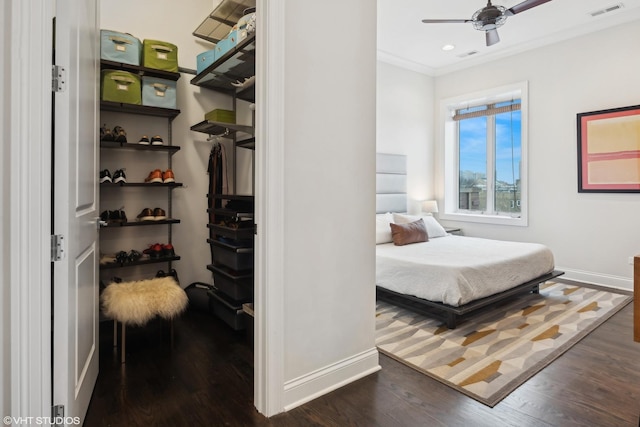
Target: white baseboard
617, 282
317, 383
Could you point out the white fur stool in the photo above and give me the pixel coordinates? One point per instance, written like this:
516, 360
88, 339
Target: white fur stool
137, 302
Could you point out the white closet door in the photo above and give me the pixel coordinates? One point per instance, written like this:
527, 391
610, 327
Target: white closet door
75, 210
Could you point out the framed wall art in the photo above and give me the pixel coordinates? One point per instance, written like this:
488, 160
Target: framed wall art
609, 150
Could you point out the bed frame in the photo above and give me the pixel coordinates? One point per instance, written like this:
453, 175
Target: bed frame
391, 196
451, 315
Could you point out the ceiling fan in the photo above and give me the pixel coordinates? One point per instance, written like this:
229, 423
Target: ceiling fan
490, 17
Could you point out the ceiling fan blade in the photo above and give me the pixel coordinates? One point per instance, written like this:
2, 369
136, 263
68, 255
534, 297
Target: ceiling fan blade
492, 37
445, 21
525, 5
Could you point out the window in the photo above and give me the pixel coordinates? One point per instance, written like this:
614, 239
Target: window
485, 157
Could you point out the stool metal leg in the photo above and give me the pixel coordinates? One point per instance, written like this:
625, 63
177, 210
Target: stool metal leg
124, 341
115, 333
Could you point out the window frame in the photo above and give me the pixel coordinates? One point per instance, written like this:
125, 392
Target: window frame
450, 146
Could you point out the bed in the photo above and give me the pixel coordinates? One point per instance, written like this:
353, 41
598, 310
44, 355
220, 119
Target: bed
446, 276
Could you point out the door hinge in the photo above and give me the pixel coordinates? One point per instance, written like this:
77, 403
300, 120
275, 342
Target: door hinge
57, 416
58, 78
57, 247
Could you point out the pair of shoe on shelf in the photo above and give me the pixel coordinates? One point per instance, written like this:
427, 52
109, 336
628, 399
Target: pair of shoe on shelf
114, 217
148, 214
158, 176
173, 273
158, 250
118, 134
123, 257
155, 140
117, 178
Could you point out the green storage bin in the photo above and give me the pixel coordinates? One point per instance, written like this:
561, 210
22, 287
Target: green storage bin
226, 116
160, 55
121, 86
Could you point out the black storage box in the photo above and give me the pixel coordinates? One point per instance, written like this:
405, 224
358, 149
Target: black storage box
227, 310
238, 286
235, 256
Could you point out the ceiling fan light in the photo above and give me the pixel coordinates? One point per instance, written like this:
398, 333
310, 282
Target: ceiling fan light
489, 18
491, 37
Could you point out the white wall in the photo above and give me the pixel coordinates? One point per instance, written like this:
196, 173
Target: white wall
405, 118
591, 235
25, 121
330, 108
174, 22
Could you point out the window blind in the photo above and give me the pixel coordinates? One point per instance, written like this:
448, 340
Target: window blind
488, 110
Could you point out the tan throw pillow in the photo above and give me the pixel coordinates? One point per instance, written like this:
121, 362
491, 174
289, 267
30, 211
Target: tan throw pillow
413, 232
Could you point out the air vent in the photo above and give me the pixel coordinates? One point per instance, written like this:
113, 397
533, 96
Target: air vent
606, 10
464, 55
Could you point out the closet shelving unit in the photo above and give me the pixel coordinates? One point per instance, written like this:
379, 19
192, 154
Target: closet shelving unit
235, 66
234, 246
170, 149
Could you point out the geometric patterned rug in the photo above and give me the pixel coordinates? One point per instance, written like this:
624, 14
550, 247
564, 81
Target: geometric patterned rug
490, 354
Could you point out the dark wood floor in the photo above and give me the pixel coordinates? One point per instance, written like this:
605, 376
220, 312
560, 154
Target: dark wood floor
207, 380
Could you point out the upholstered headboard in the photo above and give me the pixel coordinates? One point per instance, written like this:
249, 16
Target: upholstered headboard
391, 183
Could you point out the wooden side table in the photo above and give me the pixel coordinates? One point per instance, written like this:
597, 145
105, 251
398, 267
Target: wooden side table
636, 298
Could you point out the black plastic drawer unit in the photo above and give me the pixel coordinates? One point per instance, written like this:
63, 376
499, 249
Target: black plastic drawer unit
229, 311
230, 254
236, 285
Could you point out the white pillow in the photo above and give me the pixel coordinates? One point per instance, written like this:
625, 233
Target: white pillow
383, 230
434, 229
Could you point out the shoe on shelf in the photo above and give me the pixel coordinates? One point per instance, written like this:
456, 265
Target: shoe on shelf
105, 216
119, 216
133, 255
167, 176
119, 177
154, 251
120, 134
154, 176
105, 176
114, 217
146, 215
105, 134
157, 140
144, 140
121, 257
159, 214
168, 251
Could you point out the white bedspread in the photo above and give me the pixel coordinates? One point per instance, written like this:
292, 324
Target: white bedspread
458, 269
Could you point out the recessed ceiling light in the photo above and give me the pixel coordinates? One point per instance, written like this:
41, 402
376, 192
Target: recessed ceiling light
447, 47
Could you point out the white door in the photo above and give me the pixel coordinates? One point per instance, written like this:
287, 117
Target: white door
75, 206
